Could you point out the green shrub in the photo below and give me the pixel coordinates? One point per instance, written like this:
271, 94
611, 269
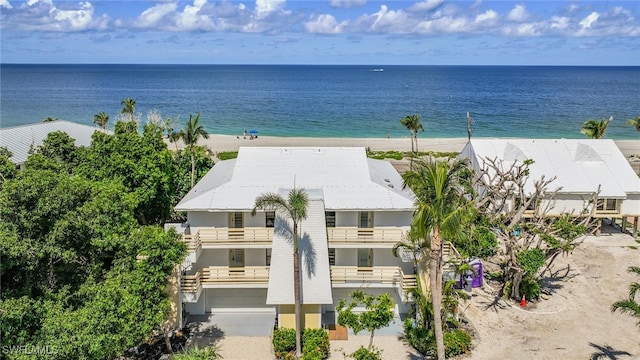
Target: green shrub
226, 155
530, 287
284, 340
195, 353
315, 344
365, 354
456, 342
531, 260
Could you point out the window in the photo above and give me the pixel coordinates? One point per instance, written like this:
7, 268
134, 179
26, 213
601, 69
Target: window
236, 258
330, 218
332, 257
270, 219
268, 257
365, 257
236, 220
607, 206
366, 219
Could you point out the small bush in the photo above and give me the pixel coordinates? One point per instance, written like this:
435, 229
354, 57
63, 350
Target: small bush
284, 341
195, 353
530, 287
365, 354
226, 155
456, 342
315, 344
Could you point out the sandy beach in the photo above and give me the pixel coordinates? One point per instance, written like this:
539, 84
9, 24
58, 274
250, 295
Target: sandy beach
218, 143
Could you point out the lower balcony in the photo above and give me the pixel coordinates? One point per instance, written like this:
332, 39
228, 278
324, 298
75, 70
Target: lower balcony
377, 276
226, 277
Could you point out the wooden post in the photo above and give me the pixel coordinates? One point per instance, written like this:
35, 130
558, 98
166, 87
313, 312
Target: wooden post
635, 227
624, 224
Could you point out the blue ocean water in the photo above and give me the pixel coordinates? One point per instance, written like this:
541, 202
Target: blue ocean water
333, 101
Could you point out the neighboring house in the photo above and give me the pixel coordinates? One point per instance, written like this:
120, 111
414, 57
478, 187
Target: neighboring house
580, 168
239, 263
21, 139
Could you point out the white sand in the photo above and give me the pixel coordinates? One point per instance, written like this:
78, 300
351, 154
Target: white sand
218, 143
574, 323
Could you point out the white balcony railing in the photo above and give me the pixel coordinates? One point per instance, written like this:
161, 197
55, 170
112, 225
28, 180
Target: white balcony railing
210, 238
345, 236
377, 275
214, 276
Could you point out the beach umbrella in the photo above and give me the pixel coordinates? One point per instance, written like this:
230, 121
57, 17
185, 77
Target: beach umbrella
253, 131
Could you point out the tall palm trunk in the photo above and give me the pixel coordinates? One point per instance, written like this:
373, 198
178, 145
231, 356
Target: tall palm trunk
436, 289
193, 166
296, 291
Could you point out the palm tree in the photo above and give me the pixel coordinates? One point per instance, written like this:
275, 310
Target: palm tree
630, 306
412, 122
635, 123
295, 208
438, 215
595, 129
101, 119
128, 107
190, 135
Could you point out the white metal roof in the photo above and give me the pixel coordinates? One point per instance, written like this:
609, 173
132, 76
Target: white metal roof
20, 139
314, 257
579, 165
347, 178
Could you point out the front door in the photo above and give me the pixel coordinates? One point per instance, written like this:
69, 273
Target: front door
236, 258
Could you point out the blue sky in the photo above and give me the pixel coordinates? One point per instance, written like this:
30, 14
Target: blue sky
426, 32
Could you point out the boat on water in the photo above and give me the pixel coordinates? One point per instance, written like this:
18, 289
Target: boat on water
378, 70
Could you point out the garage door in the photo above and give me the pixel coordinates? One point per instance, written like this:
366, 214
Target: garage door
237, 301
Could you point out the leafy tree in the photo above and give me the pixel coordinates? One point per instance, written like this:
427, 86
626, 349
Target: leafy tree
141, 162
439, 212
630, 305
102, 120
413, 124
7, 169
128, 107
518, 218
635, 123
182, 164
190, 135
295, 209
378, 314
595, 129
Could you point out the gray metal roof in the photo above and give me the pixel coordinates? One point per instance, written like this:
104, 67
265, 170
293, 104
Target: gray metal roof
20, 139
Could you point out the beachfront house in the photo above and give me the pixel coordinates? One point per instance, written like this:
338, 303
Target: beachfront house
21, 139
581, 167
242, 264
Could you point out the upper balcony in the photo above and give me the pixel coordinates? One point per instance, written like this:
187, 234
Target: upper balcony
354, 237
229, 238
262, 237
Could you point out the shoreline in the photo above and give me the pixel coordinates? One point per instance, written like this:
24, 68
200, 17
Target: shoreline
219, 143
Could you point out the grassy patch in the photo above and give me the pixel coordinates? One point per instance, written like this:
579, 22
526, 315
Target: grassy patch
226, 155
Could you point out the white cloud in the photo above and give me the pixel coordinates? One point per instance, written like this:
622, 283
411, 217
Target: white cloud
5, 4
265, 7
489, 16
325, 24
347, 4
154, 15
425, 5
589, 20
518, 13
559, 22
